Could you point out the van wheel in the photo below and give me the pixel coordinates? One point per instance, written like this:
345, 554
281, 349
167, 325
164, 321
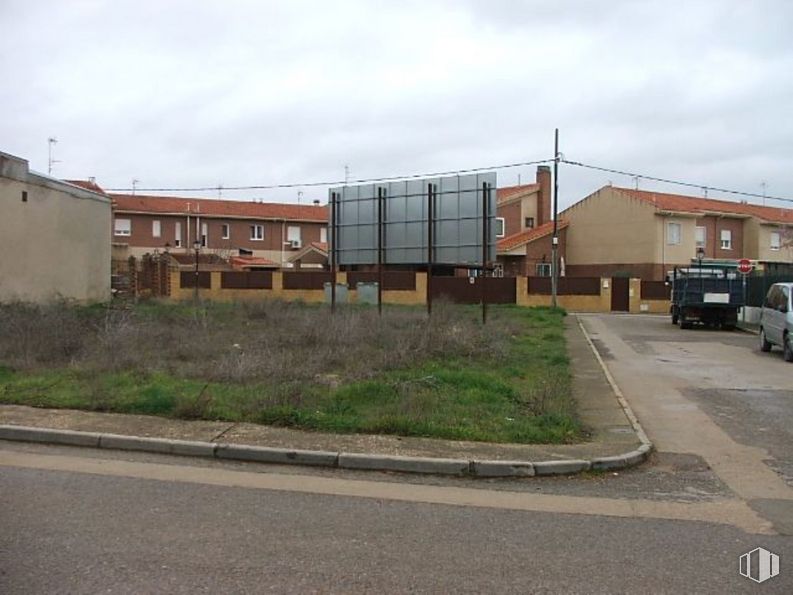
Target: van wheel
788, 349
764, 344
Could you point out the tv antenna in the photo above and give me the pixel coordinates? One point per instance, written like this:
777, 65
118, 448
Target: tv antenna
51, 142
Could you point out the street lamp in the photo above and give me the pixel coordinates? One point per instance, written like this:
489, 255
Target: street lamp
197, 248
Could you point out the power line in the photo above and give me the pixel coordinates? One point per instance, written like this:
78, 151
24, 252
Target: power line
338, 182
704, 187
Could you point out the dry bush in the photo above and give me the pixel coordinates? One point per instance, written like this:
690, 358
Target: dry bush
268, 341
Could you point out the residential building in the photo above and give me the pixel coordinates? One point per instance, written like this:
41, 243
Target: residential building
270, 231
54, 237
644, 234
525, 227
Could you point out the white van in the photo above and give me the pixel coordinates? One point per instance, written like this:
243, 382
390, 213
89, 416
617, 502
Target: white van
776, 320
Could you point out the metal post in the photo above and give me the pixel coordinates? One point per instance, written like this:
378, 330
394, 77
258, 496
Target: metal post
196, 245
555, 238
430, 223
333, 250
485, 237
380, 201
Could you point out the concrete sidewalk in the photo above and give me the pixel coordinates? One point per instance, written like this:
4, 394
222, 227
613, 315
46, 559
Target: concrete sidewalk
612, 437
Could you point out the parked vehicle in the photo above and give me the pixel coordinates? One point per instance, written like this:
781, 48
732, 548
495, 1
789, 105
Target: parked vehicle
709, 295
776, 320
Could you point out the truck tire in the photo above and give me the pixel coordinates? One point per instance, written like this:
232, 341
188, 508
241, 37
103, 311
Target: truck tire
682, 322
764, 344
787, 349
674, 317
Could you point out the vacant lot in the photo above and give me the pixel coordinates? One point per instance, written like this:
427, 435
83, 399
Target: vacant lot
296, 365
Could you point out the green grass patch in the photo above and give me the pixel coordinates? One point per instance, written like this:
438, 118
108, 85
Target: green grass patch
507, 381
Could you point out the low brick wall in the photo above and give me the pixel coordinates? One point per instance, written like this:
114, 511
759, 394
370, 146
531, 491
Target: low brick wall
575, 294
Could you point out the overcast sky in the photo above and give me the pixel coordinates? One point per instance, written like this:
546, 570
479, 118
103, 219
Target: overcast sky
191, 93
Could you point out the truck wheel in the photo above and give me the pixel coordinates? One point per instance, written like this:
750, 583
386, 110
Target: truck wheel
674, 317
764, 344
683, 323
788, 349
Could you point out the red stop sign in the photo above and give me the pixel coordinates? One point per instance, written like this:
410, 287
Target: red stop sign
745, 266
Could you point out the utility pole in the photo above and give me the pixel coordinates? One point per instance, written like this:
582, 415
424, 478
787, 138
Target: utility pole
346, 174
134, 185
555, 238
763, 186
52, 141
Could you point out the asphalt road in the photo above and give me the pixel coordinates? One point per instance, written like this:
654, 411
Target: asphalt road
83, 521
75, 532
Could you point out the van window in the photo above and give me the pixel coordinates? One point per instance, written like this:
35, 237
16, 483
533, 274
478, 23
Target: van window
771, 299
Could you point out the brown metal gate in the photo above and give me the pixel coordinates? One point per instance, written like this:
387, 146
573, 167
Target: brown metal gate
620, 294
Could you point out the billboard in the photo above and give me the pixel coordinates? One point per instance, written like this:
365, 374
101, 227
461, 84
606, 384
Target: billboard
403, 217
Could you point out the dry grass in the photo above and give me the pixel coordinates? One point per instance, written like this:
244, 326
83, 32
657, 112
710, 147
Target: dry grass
267, 341
297, 365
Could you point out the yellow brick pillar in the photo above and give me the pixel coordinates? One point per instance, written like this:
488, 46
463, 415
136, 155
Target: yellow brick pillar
605, 294
278, 284
634, 296
421, 287
522, 291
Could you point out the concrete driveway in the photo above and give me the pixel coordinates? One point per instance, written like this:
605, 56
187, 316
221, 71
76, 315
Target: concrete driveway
712, 394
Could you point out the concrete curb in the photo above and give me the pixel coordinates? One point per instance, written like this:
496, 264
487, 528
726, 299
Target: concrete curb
343, 460
284, 456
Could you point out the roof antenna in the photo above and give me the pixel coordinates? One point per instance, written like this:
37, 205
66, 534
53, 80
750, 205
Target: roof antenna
52, 141
134, 185
704, 191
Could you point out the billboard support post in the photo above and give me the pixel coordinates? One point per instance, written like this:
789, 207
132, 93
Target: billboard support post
430, 222
380, 201
485, 247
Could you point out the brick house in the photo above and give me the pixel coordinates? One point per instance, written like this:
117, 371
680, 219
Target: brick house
269, 232
524, 227
644, 234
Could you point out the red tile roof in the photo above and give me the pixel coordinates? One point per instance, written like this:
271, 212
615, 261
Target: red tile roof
511, 191
87, 184
245, 262
529, 235
693, 204
173, 205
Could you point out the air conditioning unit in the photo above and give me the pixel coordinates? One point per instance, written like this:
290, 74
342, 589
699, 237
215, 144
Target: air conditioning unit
295, 244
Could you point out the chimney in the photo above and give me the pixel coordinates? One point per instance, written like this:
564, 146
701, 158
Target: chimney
544, 196
316, 202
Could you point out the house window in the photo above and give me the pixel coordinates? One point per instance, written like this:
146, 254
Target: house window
323, 235
673, 234
24, 196
257, 232
702, 234
177, 234
293, 236
543, 269
156, 230
123, 227
529, 222
726, 239
499, 227
776, 240
225, 231
204, 234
